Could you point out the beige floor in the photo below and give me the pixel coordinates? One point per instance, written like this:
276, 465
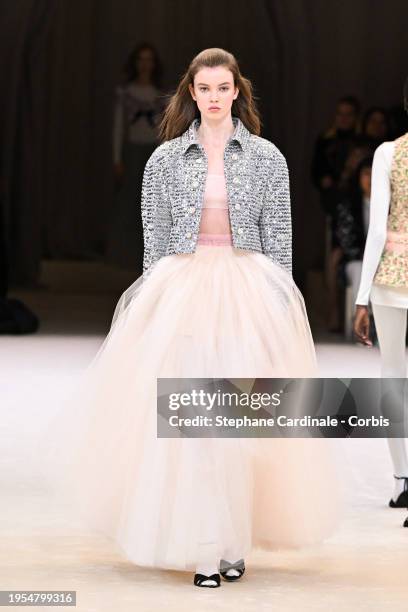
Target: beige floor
362, 567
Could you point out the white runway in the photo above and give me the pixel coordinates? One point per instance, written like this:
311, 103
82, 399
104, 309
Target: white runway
362, 567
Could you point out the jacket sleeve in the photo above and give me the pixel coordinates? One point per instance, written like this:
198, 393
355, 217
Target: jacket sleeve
275, 219
156, 211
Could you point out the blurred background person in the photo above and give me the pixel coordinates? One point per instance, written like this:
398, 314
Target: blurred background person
352, 220
375, 128
137, 111
331, 152
351, 196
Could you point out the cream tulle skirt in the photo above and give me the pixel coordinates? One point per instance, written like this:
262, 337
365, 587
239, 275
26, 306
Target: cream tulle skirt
172, 502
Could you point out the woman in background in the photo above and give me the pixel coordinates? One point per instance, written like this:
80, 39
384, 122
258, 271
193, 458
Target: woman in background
376, 129
331, 152
137, 112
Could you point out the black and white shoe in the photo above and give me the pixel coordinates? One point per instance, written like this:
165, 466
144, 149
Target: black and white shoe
238, 567
212, 581
402, 499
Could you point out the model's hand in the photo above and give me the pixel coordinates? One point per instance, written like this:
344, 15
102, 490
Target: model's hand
361, 325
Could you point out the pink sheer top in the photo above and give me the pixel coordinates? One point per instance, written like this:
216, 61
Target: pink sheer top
215, 226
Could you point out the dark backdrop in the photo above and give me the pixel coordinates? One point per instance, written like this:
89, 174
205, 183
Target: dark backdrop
60, 61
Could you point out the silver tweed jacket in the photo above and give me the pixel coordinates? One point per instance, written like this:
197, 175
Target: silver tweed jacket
257, 184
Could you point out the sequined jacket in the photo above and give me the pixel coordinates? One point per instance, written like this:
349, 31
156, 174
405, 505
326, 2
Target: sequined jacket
257, 184
392, 269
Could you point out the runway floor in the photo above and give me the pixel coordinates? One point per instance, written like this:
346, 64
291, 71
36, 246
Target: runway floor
363, 566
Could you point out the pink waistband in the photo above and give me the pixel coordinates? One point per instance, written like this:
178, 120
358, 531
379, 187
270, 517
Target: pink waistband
214, 239
397, 242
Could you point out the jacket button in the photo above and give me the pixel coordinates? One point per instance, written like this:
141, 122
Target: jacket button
235, 179
199, 160
188, 235
234, 156
237, 206
240, 230
195, 183
191, 209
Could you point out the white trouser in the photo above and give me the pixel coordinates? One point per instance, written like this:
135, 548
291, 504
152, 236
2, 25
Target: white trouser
353, 276
391, 325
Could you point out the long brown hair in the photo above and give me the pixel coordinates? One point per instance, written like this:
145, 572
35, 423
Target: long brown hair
182, 109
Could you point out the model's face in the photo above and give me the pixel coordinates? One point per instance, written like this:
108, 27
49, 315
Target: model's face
214, 91
365, 181
376, 126
145, 62
346, 116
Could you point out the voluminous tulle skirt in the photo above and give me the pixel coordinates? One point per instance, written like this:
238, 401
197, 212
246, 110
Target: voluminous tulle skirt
172, 502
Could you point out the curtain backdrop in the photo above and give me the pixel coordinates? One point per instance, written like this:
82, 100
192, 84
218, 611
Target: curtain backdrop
60, 62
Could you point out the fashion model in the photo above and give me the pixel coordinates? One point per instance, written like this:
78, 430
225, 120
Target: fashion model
384, 279
216, 299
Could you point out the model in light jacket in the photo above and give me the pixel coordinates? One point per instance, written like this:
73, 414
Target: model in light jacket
216, 301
